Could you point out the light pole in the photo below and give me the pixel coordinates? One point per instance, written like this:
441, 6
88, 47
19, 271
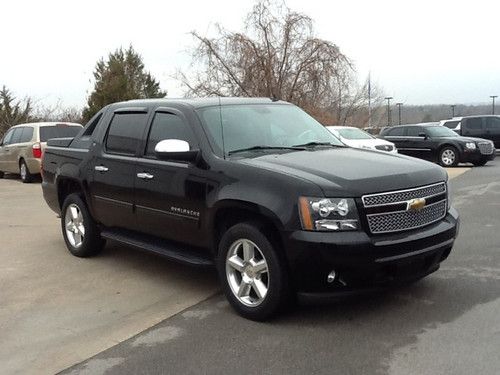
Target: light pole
388, 98
452, 110
493, 103
399, 112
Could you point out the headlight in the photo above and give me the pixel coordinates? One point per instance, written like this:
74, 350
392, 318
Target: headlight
328, 214
470, 145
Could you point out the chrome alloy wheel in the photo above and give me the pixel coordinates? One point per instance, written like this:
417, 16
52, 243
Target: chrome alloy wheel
247, 272
73, 223
448, 157
23, 171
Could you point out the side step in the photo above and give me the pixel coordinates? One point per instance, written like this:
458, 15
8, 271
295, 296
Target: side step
176, 252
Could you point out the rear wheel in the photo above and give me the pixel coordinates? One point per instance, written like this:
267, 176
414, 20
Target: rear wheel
25, 173
252, 273
80, 231
448, 157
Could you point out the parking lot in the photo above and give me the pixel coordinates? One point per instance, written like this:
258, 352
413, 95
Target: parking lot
129, 312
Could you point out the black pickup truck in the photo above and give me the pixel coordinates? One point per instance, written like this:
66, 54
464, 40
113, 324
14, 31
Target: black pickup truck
255, 187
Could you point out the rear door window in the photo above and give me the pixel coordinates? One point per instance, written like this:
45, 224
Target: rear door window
58, 131
396, 132
474, 124
16, 137
125, 133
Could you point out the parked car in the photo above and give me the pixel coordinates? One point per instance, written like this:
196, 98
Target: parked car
256, 188
22, 146
355, 137
487, 127
439, 144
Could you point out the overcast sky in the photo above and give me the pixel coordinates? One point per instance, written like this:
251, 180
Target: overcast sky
419, 52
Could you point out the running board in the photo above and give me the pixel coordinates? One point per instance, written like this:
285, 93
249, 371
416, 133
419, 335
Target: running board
179, 253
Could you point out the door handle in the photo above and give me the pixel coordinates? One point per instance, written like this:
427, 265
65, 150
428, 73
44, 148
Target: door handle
145, 176
101, 168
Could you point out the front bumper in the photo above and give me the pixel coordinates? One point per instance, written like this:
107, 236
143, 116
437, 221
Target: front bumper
471, 156
366, 262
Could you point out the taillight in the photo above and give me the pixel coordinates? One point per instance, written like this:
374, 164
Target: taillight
37, 150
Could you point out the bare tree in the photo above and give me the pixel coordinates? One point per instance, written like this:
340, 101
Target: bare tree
277, 56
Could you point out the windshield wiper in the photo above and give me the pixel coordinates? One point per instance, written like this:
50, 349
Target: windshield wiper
253, 148
316, 143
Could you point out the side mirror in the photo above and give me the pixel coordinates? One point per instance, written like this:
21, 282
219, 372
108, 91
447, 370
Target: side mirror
175, 149
423, 135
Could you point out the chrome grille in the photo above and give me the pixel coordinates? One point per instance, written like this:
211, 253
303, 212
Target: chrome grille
486, 148
403, 195
391, 217
405, 220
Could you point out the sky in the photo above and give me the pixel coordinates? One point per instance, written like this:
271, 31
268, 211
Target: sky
419, 52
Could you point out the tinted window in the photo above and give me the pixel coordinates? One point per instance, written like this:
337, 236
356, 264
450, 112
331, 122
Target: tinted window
16, 137
125, 132
8, 137
451, 124
58, 131
167, 126
493, 123
26, 135
474, 123
395, 132
91, 127
414, 131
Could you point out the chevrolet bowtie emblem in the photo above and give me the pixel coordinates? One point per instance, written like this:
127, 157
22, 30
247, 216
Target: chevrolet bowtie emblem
415, 204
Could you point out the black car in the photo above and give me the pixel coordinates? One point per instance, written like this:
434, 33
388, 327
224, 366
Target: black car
439, 144
256, 188
487, 127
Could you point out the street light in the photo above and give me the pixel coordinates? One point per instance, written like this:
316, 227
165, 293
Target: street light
452, 110
399, 112
388, 98
493, 103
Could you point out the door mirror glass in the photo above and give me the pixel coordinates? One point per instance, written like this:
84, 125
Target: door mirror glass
175, 149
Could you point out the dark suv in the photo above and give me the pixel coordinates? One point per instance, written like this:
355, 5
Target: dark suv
439, 144
255, 187
487, 127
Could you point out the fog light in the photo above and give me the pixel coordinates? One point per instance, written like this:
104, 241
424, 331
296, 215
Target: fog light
331, 277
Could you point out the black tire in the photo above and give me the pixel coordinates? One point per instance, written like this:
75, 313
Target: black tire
92, 243
278, 293
448, 150
480, 163
26, 176
2, 174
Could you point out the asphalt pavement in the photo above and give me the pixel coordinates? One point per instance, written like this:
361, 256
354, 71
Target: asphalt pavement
448, 323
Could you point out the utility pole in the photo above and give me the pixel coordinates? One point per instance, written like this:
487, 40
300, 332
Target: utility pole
452, 110
388, 98
399, 112
493, 103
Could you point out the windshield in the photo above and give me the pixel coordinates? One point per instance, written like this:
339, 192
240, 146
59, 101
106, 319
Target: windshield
262, 125
353, 133
440, 131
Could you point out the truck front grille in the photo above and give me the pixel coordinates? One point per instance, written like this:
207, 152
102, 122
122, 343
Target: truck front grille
486, 148
391, 212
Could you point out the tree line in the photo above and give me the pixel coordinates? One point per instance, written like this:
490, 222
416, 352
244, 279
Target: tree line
277, 54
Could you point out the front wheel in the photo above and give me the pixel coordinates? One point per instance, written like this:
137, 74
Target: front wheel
448, 157
80, 232
252, 273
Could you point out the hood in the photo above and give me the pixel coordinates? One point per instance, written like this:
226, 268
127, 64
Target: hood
349, 172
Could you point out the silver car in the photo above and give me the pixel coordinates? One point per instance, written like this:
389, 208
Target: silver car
22, 147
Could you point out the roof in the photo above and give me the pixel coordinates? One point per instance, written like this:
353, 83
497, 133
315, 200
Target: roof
201, 102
